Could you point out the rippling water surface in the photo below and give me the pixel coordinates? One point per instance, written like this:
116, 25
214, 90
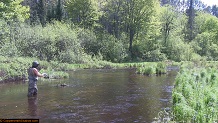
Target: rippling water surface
95, 96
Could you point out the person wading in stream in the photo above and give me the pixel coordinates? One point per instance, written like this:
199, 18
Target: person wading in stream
33, 74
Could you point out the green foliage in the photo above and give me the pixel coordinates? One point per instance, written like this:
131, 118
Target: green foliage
12, 10
161, 68
59, 11
88, 41
130, 17
194, 95
51, 10
154, 56
9, 49
111, 17
112, 30
150, 68
7, 39
148, 50
210, 24
41, 12
146, 70
178, 50
57, 41
4, 33
168, 17
111, 48
205, 43
15, 68
83, 12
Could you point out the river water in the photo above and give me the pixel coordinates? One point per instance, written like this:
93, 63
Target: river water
94, 96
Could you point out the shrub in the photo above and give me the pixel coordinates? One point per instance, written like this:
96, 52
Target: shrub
56, 41
161, 68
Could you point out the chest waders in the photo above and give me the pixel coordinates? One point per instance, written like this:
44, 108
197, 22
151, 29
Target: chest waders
32, 88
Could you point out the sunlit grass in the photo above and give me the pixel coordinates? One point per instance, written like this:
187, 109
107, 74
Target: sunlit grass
195, 95
16, 68
150, 68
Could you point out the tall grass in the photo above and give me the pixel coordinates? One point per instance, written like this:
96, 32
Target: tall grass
195, 95
13, 69
149, 68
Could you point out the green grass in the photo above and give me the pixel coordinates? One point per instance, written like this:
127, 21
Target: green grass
150, 68
14, 69
195, 95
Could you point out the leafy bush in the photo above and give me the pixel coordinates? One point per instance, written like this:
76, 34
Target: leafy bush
148, 50
108, 46
4, 33
112, 49
151, 68
56, 41
161, 68
154, 56
177, 50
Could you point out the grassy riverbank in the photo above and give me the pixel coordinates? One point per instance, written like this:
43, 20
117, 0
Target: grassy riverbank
195, 93
15, 69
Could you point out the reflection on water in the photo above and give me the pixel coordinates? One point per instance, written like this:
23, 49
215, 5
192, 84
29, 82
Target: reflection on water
92, 96
32, 106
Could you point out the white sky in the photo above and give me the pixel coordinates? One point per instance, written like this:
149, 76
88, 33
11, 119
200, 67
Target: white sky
210, 2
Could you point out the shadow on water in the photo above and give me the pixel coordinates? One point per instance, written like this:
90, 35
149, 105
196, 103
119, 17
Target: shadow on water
92, 96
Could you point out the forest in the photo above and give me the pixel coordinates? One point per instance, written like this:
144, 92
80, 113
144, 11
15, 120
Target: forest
75, 31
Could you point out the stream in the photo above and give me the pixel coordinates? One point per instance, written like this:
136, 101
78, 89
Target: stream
94, 96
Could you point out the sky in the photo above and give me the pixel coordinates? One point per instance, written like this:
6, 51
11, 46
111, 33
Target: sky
210, 2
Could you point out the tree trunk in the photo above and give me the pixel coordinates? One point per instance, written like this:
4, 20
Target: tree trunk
131, 36
191, 20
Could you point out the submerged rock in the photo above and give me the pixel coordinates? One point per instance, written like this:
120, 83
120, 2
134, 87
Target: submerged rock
62, 85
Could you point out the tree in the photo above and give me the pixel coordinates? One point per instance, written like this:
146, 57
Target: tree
50, 13
11, 10
205, 43
111, 18
59, 11
164, 2
215, 10
190, 24
83, 12
168, 18
136, 17
41, 11
131, 17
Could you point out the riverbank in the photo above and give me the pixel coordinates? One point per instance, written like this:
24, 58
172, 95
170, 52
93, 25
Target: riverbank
195, 95
15, 69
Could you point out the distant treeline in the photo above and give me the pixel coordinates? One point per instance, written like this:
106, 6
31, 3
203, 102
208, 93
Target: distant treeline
75, 31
